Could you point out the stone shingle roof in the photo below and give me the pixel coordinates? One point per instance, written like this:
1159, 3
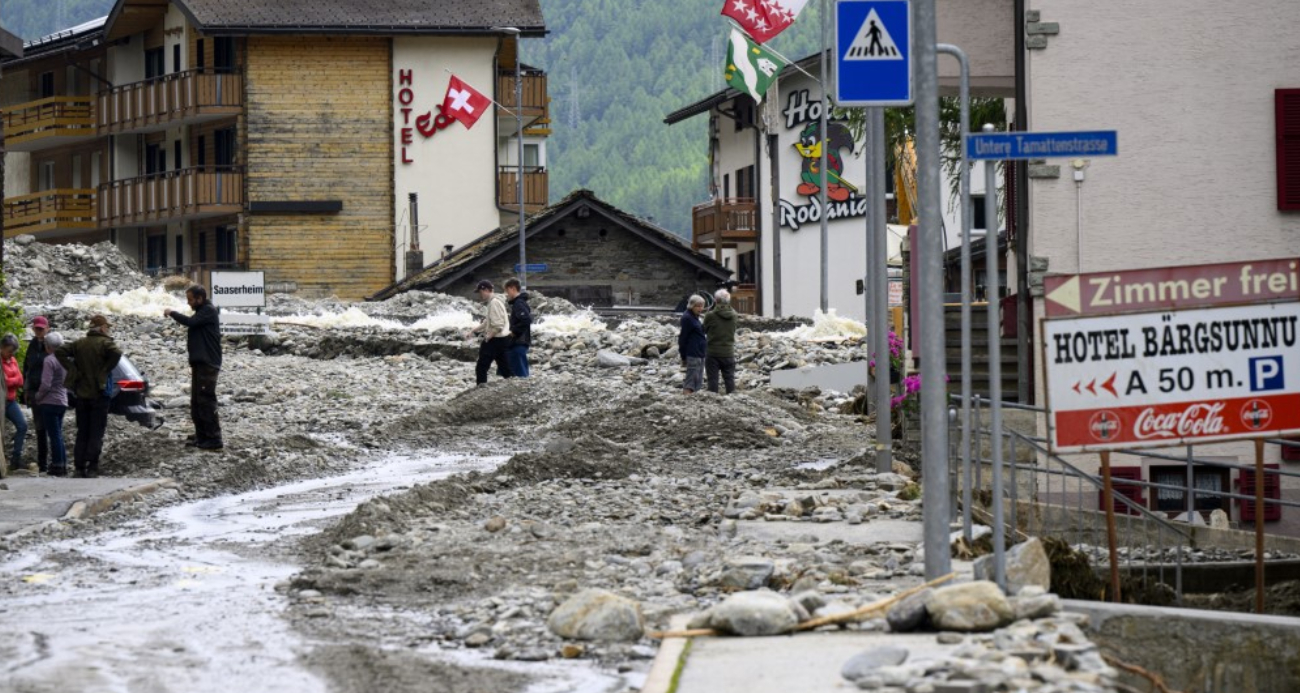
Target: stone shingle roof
379, 16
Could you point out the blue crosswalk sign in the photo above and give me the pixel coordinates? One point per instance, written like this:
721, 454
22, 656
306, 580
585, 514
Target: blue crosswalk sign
873, 53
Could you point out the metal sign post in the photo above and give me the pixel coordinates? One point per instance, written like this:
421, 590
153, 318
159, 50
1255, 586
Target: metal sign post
878, 274
994, 328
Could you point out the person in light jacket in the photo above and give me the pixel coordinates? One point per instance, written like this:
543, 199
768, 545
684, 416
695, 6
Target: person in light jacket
494, 332
52, 404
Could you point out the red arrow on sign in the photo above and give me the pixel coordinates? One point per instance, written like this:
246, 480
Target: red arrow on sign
1109, 385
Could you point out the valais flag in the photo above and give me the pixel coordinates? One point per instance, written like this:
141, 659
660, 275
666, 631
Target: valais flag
464, 103
763, 19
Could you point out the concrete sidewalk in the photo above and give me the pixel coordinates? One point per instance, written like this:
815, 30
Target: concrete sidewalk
33, 501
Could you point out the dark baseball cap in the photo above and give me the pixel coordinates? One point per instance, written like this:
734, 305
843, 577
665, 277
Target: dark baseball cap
484, 285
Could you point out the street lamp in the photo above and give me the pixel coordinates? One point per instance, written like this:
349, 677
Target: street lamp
519, 135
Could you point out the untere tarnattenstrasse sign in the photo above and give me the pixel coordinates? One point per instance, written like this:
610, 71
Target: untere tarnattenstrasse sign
1174, 377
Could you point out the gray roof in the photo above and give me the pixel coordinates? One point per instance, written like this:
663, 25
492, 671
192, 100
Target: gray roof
364, 16
442, 273
10, 45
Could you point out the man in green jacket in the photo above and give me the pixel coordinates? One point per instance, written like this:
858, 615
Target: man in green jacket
720, 355
90, 361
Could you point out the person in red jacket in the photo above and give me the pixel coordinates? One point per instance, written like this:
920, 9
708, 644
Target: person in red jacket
13, 380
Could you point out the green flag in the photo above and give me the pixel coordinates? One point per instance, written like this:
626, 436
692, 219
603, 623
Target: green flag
751, 68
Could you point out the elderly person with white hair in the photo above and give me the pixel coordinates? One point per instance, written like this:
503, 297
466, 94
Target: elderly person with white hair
720, 329
691, 343
52, 405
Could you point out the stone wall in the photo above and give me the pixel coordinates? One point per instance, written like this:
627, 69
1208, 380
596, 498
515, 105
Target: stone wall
594, 261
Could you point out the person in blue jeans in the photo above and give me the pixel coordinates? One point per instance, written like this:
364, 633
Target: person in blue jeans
13, 380
521, 328
52, 404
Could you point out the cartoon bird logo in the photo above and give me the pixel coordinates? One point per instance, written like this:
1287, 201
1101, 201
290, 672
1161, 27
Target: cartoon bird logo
810, 148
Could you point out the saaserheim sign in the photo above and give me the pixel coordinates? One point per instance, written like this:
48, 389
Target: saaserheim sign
842, 199
1172, 356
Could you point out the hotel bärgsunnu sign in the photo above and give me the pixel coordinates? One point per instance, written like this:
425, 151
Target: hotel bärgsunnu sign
1171, 356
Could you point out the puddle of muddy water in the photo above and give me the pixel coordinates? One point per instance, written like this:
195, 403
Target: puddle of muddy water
184, 601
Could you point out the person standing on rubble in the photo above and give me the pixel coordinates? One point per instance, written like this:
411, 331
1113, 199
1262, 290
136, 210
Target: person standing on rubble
33, 364
720, 329
51, 404
692, 343
494, 332
89, 362
13, 380
203, 343
521, 328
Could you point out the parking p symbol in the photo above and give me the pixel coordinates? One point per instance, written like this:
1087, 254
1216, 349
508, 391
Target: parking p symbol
1266, 373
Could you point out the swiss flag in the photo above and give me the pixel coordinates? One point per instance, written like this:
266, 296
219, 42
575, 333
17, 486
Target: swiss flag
763, 19
464, 103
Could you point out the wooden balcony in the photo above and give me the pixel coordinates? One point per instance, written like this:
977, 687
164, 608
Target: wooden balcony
536, 188
744, 298
185, 194
50, 212
180, 98
723, 223
52, 122
535, 99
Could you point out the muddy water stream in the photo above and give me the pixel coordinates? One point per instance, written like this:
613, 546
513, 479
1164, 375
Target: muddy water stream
184, 601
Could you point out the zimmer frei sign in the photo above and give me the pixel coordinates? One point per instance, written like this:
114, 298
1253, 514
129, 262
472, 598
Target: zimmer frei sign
1221, 362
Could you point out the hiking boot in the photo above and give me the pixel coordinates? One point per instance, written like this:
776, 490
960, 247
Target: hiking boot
210, 445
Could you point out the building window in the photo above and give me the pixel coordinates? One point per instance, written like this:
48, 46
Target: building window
226, 240
155, 159
225, 146
47, 85
726, 186
155, 253
201, 152
745, 182
224, 53
203, 247
199, 59
47, 175
176, 154
180, 251
977, 211
155, 63
1208, 479
532, 155
176, 58
744, 113
1287, 113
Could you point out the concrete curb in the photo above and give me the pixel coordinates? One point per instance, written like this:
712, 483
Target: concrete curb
671, 652
89, 507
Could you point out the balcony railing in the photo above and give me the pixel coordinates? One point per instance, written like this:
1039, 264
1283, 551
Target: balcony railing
535, 99
49, 122
744, 298
188, 97
159, 198
536, 188
50, 211
724, 222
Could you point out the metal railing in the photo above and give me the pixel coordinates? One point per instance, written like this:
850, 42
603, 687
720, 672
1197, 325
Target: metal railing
171, 99
55, 116
158, 198
51, 210
1047, 495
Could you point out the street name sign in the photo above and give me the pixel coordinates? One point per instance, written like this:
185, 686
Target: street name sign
1002, 146
1172, 378
238, 289
873, 53
1168, 288
533, 267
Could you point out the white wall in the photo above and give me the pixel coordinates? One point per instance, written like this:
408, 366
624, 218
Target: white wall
175, 20
454, 171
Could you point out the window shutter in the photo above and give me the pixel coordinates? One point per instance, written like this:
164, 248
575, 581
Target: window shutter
1132, 492
1287, 102
1272, 491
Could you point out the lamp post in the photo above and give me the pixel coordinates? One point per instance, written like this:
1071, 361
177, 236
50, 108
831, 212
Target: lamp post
519, 135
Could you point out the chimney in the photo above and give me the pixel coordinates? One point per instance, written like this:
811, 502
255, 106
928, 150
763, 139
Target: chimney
414, 256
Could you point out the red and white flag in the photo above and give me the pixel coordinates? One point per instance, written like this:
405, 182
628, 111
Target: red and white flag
464, 103
763, 19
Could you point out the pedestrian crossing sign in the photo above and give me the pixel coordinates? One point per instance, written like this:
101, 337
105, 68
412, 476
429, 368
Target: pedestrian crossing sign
873, 58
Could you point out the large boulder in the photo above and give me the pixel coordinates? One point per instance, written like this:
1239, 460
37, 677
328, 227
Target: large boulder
867, 663
761, 612
970, 607
597, 615
747, 572
608, 359
1027, 565
909, 614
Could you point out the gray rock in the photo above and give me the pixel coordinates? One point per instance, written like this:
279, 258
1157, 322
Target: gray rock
970, 607
597, 615
25, 239
1027, 564
811, 600
761, 612
608, 359
909, 614
747, 572
1039, 606
866, 663
495, 524
359, 543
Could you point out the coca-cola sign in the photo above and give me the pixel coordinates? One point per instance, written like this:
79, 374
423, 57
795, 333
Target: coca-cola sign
1196, 420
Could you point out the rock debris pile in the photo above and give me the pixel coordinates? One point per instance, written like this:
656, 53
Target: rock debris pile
42, 274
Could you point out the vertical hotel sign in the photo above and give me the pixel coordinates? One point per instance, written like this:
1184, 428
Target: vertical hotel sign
1172, 356
426, 124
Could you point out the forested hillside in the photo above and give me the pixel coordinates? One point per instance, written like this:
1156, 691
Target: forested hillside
617, 67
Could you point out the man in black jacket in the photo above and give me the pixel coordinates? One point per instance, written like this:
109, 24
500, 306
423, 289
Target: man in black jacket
521, 328
204, 345
33, 366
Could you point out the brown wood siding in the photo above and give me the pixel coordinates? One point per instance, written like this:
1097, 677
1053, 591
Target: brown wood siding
319, 127
62, 158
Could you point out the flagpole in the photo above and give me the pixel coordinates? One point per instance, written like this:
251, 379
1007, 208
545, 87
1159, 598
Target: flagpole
825, 137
